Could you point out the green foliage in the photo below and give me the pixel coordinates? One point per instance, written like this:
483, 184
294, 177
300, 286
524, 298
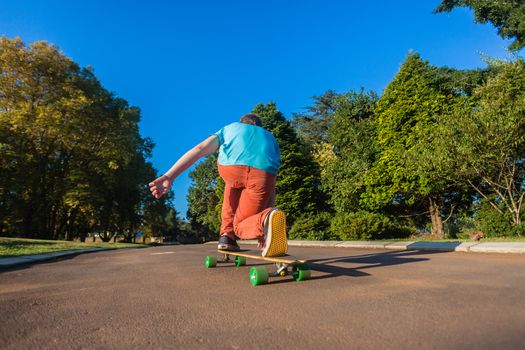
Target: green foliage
407, 116
312, 125
460, 82
204, 199
364, 225
71, 156
493, 224
312, 227
352, 136
73, 161
296, 189
508, 16
484, 141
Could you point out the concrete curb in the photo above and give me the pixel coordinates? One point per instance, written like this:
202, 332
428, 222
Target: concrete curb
477, 247
499, 247
31, 259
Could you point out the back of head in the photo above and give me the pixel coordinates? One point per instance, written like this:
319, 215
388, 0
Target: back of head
252, 119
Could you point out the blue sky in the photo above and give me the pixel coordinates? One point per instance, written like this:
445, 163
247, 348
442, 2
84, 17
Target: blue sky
193, 66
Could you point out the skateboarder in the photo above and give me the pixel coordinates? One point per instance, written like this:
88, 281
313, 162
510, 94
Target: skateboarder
248, 162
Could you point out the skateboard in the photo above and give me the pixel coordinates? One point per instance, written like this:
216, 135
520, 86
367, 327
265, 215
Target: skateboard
285, 265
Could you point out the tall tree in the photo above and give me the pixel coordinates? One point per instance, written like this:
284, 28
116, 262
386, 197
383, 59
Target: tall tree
406, 115
73, 160
312, 125
484, 141
203, 199
352, 136
296, 189
508, 16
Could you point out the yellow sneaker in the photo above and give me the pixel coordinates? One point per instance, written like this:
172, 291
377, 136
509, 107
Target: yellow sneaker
275, 243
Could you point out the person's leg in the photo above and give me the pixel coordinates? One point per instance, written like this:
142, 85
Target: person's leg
268, 226
229, 207
252, 227
233, 177
254, 204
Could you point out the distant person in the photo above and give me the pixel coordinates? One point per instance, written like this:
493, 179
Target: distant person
248, 162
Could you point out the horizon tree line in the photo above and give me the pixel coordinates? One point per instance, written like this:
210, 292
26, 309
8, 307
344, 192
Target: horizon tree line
439, 152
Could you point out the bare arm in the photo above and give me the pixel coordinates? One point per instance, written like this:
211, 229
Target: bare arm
161, 185
203, 149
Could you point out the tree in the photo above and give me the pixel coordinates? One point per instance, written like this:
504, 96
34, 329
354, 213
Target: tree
484, 141
352, 141
508, 16
159, 217
406, 115
312, 126
204, 199
296, 189
72, 158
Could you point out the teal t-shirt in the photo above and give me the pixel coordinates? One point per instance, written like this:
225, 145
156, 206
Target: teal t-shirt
250, 145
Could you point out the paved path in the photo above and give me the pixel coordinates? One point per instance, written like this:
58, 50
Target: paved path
364, 299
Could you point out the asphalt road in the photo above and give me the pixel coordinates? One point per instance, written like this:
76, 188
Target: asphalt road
164, 297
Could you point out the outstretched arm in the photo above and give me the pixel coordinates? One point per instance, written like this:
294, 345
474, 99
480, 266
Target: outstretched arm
161, 185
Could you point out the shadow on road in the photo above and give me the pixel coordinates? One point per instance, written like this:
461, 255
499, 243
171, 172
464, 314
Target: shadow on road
366, 261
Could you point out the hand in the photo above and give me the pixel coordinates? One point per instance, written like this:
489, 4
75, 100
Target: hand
160, 186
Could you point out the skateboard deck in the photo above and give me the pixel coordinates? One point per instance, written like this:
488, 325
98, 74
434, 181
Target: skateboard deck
256, 254
285, 265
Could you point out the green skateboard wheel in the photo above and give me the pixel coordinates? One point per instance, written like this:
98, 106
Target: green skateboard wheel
258, 276
211, 261
301, 272
240, 261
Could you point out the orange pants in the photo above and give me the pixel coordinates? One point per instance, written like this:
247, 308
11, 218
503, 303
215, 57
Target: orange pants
248, 197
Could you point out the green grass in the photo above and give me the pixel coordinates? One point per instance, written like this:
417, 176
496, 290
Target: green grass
503, 239
12, 247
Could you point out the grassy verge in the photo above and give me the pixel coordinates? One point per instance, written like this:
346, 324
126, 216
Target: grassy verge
11, 247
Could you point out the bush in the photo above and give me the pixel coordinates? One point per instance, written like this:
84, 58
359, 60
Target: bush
494, 224
312, 227
363, 225
460, 226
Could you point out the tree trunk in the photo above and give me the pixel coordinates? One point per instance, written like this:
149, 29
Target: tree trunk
105, 235
70, 222
517, 217
53, 222
438, 231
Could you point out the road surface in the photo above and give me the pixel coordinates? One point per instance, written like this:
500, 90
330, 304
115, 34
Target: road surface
164, 297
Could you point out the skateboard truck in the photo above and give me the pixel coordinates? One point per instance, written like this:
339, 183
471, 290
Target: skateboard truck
282, 269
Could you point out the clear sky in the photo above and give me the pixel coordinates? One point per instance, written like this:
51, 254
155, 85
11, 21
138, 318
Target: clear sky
193, 66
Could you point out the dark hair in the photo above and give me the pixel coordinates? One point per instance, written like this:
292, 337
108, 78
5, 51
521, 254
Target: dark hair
251, 118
